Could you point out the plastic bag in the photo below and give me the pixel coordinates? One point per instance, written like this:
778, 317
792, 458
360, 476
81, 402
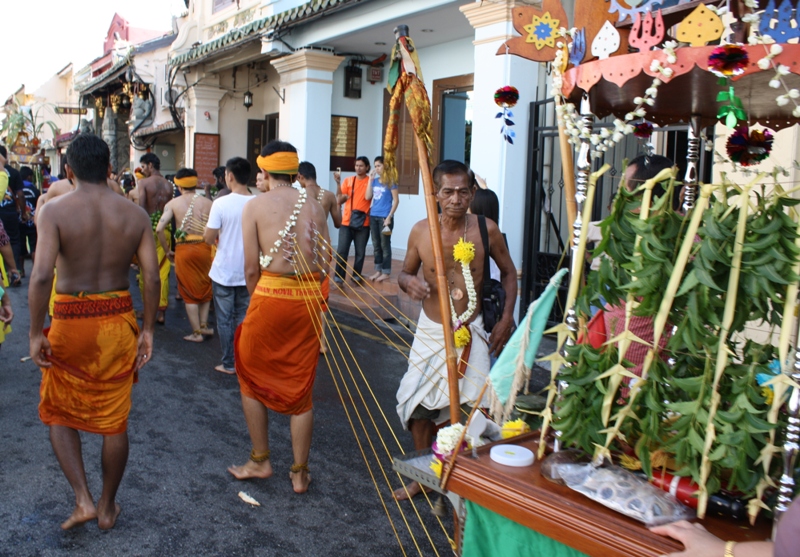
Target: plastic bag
624, 492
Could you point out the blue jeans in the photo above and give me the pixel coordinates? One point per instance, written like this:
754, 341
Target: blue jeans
230, 306
381, 244
347, 236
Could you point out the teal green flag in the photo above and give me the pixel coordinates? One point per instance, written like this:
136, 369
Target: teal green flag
507, 374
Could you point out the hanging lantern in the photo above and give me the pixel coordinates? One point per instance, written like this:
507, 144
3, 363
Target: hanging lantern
248, 100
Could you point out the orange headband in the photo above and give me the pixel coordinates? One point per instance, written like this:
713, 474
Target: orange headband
279, 163
187, 182
138, 174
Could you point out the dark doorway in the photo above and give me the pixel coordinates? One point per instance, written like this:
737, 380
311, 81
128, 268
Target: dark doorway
259, 133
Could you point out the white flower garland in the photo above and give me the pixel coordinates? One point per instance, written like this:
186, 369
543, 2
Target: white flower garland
265, 260
606, 138
472, 297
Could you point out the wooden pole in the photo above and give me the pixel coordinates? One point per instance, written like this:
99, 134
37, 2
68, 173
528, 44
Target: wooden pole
568, 171
441, 281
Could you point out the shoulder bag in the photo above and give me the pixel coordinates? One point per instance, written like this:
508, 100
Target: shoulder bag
357, 218
493, 295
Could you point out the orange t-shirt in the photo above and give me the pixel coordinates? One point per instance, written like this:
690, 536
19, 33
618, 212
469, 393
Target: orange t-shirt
356, 200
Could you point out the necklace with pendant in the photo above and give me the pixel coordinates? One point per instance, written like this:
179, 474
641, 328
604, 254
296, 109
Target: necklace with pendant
455, 292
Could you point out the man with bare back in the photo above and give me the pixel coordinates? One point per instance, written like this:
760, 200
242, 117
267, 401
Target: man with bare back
92, 351
192, 256
285, 234
154, 193
423, 399
307, 177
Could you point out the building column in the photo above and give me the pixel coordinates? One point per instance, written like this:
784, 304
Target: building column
202, 115
305, 111
504, 166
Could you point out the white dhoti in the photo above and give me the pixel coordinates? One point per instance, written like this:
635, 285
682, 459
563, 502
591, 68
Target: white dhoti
426, 383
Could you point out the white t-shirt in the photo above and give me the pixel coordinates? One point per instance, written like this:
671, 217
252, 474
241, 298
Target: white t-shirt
226, 216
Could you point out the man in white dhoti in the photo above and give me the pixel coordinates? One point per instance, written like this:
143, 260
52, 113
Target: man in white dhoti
424, 397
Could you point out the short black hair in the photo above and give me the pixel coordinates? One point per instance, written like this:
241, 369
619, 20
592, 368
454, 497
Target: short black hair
240, 168
151, 158
365, 160
3, 151
219, 173
26, 173
647, 167
485, 203
185, 172
449, 168
127, 182
307, 170
278, 146
88, 157
379, 159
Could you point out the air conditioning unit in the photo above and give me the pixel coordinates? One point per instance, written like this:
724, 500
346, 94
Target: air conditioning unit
167, 97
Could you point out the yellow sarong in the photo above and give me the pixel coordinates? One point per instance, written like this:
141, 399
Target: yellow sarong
94, 344
4, 329
163, 271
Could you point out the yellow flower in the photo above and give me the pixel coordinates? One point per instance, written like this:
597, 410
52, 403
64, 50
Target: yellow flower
462, 336
436, 466
630, 462
464, 252
769, 394
514, 428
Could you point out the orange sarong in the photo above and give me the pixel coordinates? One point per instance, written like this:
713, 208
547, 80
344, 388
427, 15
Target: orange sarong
94, 343
192, 264
325, 288
277, 345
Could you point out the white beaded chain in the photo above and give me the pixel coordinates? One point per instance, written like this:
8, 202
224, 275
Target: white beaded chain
284, 234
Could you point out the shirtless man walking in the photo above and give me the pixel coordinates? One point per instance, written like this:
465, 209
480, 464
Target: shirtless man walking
307, 177
192, 256
154, 193
277, 344
423, 398
93, 233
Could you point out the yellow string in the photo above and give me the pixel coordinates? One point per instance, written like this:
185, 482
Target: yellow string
317, 324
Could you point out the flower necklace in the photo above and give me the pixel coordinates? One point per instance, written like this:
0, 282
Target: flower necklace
181, 233
463, 253
285, 234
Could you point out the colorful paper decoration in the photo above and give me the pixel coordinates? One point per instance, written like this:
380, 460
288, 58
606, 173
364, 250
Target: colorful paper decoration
591, 15
577, 49
606, 42
700, 27
631, 8
728, 60
783, 30
747, 147
542, 31
506, 98
539, 29
648, 32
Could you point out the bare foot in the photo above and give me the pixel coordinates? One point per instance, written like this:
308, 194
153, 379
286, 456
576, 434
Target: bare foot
323, 348
222, 369
106, 522
300, 481
382, 278
161, 317
81, 515
207, 332
411, 490
374, 275
194, 337
250, 469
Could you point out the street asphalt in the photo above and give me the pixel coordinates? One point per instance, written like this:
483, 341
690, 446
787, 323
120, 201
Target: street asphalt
185, 428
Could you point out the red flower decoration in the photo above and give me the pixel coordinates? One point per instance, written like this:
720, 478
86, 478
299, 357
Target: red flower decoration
643, 130
506, 97
749, 148
728, 60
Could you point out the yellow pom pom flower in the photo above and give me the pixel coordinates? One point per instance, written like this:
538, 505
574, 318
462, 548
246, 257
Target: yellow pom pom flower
464, 252
462, 336
436, 466
514, 428
769, 394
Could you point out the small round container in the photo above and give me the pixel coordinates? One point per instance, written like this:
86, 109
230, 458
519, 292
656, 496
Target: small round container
511, 455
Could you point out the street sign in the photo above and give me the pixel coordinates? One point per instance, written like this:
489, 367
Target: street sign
70, 110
